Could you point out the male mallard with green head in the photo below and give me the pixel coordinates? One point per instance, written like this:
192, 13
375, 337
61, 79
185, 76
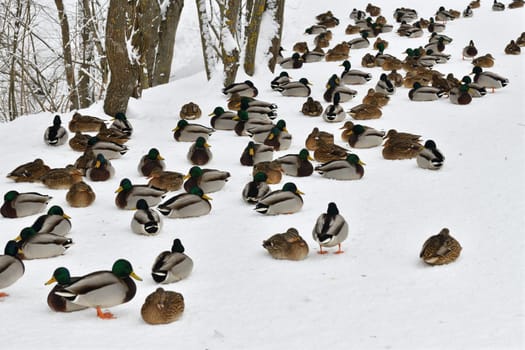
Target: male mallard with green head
430, 157
350, 168
150, 161
186, 205
17, 205
208, 180
11, 267
58, 303
330, 229
32, 245
189, 132
145, 221
56, 134
297, 164
128, 195
101, 170
199, 152
255, 189
172, 266
287, 200
55, 221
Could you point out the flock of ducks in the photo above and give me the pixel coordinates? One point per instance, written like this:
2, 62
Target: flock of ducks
247, 117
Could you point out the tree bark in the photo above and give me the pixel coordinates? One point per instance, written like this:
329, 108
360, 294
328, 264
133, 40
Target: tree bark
210, 57
252, 36
167, 32
85, 99
277, 9
145, 39
229, 46
68, 60
122, 64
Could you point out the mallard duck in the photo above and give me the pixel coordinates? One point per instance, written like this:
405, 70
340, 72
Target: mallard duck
245, 88
326, 152
475, 4
103, 289
333, 86
260, 132
287, 200
297, 164
316, 55
380, 44
121, 123
375, 98
438, 46
424, 93
489, 79
110, 150
80, 195
353, 76
162, 307
430, 157
352, 29
11, 267
317, 136
374, 11
56, 134
172, 266
55, 221
312, 108
498, 6
293, 62
245, 123
79, 142
365, 137
444, 15
199, 152
32, 245
436, 27
365, 111
112, 135
58, 303
521, 39
295, 88
189, 132
470, 51
145, 221
208, 180
150, 161
279, 80
234, 102
286, 246
255, 189
512, 48
186, 205
405, 14
190, 111
102, 170
273, 171
255, 153
485, 61
330, 229
300, 46
440, 249
329, 22
62, 178
84, 123
368, 61
29, 172
334, 112
128, 195
516, 4
396, 78
222, 120
460, 95
385, 86
360, 43
17, 205
278, 138
165, 180
315, 29
467, 12
393, 136
401, 149
350, 168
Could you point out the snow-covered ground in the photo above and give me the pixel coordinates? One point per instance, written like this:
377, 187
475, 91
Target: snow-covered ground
378, 294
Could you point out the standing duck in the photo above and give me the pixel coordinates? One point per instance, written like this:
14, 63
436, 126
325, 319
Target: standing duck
32, 245
122, 124
245, 88
470, 51
190, 111
440, 249
424, 93
222, 120
11, 267
208, 180
385, 86
350, 168
287, 200
287, 246
162, 307
165, 180
334, 113
186, 205
55, 221
84, 123
312, 108
354, 76
29, 172
189, 132
57, 303
295, 88
128, 195
489, 79
255, 189
62, 178
102, 170
80, 195
17, 205
150, 161
199, 152
110, 150
297, 164
56, 134
330, 229
365, 137
172, 266
255, 153
103, 289
430, 157
146, 221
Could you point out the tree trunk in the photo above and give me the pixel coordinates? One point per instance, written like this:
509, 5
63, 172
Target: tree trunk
167, 32
68, 60
122, 65
277, 9
229, 46
87, 60
145, 39
252, 36
12, 102
210, 57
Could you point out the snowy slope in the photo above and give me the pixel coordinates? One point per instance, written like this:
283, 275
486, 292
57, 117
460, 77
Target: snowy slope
376, 295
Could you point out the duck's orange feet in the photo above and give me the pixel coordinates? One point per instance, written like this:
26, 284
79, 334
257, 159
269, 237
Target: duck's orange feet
339, 251
104, 315
3, 295
321, 251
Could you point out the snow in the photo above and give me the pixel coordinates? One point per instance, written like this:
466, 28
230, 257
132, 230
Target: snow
378, 294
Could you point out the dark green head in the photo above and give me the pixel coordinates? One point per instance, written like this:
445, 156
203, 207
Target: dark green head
477, 70
177, 246
196, 191
126, 184
154, 154
120, 116
11, 195
11, 248
347, 64
304, 81
57, 121
290, 187
182, 123
352, 158
358, 129
142, 204
336, 98
304, 154
260, 177
27, 232
195, 171
381, 47
92, 140
56, 210
296, 56
122, 269
62, 276
332, 209
200, 142
430, 145
218, 111
410, 52
364, 34
463, 88
101, 160
416, 85
243, 115
466, 79
281, 124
